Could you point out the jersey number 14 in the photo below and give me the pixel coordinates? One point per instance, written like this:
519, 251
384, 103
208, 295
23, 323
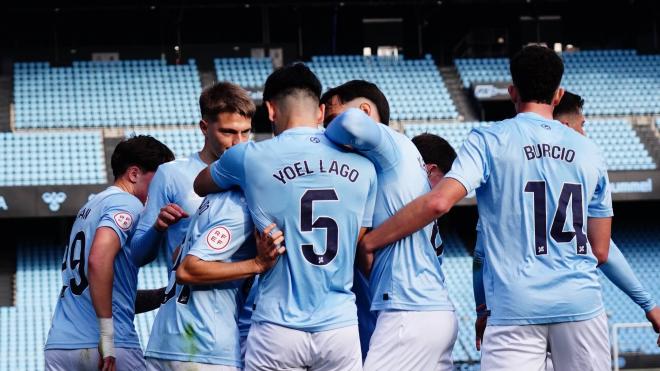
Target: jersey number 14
570, 193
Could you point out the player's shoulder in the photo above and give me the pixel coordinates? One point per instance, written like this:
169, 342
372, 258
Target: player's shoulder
117, 199
232, 198
178, 164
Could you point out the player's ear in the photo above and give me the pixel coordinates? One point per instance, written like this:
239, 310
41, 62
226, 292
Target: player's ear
366, 108
513, 93
133, 173
558, 95
271, 110
321, 114
203, 126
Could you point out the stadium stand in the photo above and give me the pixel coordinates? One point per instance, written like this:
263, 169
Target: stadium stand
105, 94
52, 158
414, 88
474, 70
612, 82
182, 141
38, 283
640, 244
246, 72
622, 148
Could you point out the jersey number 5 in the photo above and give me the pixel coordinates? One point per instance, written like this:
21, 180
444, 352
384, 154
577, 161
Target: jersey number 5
307, 224
570, 193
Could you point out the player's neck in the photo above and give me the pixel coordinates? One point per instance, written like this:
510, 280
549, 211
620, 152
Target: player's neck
292, 122
207, 155
544, 110
124, 185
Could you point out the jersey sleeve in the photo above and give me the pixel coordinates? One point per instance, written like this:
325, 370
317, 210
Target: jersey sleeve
146, 238
219, 240
121, 214
229, 171
619, 272
159, 196
367, 217
356, 129
471, 167
600, 205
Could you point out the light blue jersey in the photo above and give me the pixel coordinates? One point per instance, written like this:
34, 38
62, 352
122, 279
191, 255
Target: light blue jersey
75, 324
172, 183
407, 274
199, 323
319, 195
536, 181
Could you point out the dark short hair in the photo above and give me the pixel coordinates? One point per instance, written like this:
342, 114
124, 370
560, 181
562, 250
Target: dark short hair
570, 104
435, 150
225, 97
536, 72
143, 151
292, 79
353, 89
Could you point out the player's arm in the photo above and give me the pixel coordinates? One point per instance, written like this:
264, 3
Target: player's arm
416, 215
225, 173
470, 169
197, 271
599, 232
148, 300
204, 184
365, 260
102, 255
358, 131
479, 297
619, 272
156, 217
354, 128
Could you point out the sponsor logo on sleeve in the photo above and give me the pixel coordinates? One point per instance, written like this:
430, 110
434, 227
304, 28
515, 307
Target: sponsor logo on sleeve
123, 220
218, 238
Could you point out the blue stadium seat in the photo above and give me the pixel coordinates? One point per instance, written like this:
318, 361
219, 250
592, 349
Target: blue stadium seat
52, 158
414, 88
105, 94
612, 82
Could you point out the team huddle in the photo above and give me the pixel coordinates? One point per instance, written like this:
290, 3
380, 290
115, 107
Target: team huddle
319, 249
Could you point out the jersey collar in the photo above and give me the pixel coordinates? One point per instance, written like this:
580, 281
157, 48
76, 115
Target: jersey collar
301, 131
534, 116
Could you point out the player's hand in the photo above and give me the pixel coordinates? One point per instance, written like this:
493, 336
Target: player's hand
269, 248
107, 364
169, 214
479, 328
654, 317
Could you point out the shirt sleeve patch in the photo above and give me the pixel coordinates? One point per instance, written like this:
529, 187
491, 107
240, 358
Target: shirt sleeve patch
123, 220
218, 238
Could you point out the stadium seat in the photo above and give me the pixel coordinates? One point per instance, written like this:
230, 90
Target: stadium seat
105, 94
52, 158
612, 82
414, 88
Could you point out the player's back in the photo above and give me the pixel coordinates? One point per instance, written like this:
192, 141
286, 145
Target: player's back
74, 323
540, 182
320, 196
407, 274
